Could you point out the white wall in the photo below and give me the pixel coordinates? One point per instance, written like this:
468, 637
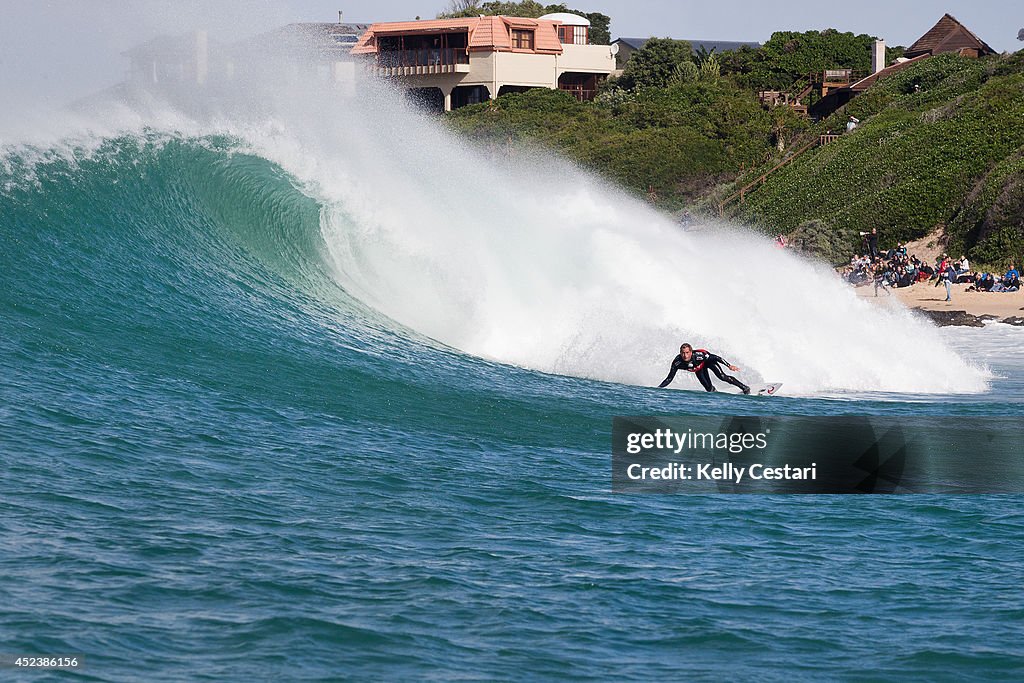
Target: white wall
586, 59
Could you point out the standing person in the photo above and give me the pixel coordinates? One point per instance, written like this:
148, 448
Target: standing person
881, 280
872, 240
947, 279
941, 267
699, 362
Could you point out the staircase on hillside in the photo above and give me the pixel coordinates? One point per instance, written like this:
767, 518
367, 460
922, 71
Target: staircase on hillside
827, 81
742, 193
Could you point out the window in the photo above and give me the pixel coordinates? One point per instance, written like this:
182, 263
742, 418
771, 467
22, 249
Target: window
522, 40
573, 35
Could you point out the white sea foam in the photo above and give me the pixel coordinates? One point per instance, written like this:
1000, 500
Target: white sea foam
524, 259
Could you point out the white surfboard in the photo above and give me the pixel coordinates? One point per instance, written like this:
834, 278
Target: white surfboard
769, 389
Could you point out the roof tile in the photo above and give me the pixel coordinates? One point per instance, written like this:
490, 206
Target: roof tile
948, 35
491, 33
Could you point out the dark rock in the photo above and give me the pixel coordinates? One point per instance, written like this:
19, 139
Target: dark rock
950, 318
988, 316
1016, 321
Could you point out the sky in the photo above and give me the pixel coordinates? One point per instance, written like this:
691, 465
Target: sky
59, 50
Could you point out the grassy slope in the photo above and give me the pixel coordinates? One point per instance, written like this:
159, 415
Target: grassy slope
948, 154
678, 141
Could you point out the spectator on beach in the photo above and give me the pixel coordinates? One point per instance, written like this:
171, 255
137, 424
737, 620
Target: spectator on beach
941, 267
1012, 278
947, 278
871, 240
880, 276
985, 283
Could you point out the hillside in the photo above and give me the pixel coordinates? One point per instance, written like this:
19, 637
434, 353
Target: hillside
678, 141
941, 144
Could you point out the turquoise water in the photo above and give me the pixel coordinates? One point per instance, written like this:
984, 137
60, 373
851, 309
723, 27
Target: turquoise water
217, 465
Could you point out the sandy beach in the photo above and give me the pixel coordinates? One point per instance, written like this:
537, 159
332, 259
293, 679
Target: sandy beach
926, 296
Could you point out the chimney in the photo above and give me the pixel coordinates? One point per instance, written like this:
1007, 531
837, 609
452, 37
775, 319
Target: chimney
878, 56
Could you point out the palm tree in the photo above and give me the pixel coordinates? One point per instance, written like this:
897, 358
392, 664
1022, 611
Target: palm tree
702, 54
710, 69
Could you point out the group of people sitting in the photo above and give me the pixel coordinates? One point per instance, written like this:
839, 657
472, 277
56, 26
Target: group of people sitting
987, 282
896, 268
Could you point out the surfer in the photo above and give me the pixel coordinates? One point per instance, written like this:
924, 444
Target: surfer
699, 362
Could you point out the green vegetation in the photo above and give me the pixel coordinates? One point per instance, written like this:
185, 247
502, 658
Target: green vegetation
658, 64
941, 143
788, 58
600, 24
677, 141
820, 239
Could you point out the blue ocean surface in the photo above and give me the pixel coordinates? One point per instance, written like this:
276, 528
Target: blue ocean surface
215, 464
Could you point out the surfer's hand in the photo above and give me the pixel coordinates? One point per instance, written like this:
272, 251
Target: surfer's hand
734, 368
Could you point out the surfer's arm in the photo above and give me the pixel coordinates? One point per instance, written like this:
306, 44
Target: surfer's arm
719, 359
671, 376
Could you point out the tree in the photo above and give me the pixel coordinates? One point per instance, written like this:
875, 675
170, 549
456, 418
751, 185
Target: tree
654, 65
600, 24
710, 69
685, 72
818, 238
461, 7
702, 54
526, 8
790, 57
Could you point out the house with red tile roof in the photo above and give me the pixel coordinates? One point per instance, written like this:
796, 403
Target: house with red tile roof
450, 63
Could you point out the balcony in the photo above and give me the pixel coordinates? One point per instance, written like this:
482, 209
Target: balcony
422, 62
581, 94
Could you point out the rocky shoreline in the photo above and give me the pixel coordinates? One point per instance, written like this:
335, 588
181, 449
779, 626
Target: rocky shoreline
966, 308
965, 319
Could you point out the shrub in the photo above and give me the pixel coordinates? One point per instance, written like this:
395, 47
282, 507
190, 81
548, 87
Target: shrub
654, 65
817, 238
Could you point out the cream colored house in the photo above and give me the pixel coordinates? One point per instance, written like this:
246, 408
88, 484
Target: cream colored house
454, 62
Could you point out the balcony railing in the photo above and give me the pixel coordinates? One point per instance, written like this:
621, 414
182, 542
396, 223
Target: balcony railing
581, 95
427, 57
837, 78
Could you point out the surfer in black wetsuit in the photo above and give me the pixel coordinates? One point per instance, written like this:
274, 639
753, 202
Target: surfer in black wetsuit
699, 362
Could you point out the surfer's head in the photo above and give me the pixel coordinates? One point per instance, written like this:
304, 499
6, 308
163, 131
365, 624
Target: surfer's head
686, 351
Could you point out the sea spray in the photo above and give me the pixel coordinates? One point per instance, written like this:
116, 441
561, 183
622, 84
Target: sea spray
525, 259
531, 261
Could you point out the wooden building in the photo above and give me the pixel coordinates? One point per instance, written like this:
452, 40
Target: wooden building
949, 35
